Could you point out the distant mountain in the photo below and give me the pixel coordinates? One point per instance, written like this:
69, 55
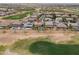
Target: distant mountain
15, 5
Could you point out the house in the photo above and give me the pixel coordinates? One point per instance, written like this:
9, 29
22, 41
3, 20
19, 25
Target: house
65, 16
2, 13
28, 25
61, 26
38, 23
58, 19
3, 26
34, 16
74, 16
16, 25
75, 26
48, 19
31, 19
49, 15
49, 24
69, 19
58, 15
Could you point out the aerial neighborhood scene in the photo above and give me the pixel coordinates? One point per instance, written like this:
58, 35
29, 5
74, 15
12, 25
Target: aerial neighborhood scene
39, 29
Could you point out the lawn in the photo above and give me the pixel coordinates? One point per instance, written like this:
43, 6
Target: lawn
18, 16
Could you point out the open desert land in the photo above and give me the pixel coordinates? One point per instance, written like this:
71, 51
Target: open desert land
8, 36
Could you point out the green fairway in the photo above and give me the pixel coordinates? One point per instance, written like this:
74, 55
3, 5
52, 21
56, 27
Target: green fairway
44, 46
47, 48
22, 46
18, 16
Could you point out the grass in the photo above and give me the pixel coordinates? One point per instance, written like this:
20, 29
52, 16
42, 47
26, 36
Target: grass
22, 46
48, 48
44, 46
41, 47
2, 49
18, 16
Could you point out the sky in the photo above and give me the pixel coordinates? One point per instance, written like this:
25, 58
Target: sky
39, 1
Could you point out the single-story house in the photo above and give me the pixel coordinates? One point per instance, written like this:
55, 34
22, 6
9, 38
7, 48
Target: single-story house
3, 26
58, 15
58, 19
16, 26
31, 19
65, 16
61, 25
74, 16
69, 18
75, 26
49, 15
28, 25
49, 24
38, 23
48, 19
